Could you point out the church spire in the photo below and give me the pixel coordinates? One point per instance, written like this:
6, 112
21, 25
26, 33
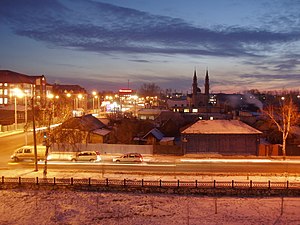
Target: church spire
195, 83
206, 83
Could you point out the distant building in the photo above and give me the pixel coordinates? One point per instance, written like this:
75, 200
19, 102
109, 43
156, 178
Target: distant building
220, 136
75, 93
30, 85
198, 99
14, 106
204, 105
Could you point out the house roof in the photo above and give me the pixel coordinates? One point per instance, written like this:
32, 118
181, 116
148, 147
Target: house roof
156, 133
84, 123
102, 132
220, 127
167, 139
7, 76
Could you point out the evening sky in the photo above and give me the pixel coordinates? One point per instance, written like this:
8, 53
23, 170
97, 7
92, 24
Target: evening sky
112, 44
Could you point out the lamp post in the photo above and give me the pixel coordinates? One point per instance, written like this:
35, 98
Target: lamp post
26, 119
16, 114
79, 96
97, 106
17, 93
94, 96
33, 129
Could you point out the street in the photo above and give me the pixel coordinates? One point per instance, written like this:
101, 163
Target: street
152, 164
10, 143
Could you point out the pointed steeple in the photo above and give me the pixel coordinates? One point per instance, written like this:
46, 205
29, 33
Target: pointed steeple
195, 83
206, 83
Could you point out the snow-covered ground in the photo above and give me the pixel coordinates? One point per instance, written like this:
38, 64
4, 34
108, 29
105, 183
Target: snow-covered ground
70, 207
32, 207
79, 207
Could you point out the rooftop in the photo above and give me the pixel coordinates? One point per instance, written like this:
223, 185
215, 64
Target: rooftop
220, 127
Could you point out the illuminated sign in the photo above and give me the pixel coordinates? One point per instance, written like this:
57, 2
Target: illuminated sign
125, 91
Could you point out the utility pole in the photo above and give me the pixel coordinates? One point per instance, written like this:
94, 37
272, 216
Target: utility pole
34, 134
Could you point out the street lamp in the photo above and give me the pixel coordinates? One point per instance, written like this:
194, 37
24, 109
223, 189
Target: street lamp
26, 117
80, 96
17, 93
97, 102
94, 96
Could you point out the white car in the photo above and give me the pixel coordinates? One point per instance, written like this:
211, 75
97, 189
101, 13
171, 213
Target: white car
129, 157
92, 156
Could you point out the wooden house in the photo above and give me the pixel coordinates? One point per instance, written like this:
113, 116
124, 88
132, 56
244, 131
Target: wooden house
220, 136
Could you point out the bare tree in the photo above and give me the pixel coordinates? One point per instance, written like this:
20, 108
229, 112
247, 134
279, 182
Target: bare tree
284, 116
149, 89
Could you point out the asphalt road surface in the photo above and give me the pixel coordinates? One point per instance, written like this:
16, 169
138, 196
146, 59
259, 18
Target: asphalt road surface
274, 167
9, 143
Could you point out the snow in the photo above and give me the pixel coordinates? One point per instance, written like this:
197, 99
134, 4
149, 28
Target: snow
24, 206
70, 207
220, 127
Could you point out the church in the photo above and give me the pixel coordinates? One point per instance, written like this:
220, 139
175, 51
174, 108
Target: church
198, 99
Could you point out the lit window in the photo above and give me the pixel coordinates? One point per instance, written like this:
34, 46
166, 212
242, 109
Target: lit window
1, 101
1, 91
211, 118
186, 110
195, 110
5, 100
5, 84
5, 92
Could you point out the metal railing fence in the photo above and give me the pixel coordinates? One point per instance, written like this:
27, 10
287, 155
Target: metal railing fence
154, 183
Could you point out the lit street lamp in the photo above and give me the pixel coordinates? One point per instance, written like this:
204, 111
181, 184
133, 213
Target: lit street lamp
17, 93
26, 119
79, 96
95, 96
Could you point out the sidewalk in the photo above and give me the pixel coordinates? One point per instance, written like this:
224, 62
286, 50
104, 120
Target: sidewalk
8, 133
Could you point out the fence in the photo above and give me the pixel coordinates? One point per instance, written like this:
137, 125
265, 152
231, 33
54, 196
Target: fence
268, 185
105, 148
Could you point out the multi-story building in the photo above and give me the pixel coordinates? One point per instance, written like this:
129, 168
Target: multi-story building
16, 92
28, 85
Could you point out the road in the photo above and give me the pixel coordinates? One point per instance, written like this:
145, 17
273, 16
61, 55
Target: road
168, 165
220, 167
10, 143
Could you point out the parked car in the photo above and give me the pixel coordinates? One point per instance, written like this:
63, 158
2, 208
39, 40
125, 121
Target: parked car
27, 153
129, 157
92, 156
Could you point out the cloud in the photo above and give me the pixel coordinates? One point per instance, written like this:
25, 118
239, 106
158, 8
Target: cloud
106, 28
140, 60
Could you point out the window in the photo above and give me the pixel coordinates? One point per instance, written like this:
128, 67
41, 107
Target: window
195, 110
5, 92
1, 101
5, 100
27, 150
